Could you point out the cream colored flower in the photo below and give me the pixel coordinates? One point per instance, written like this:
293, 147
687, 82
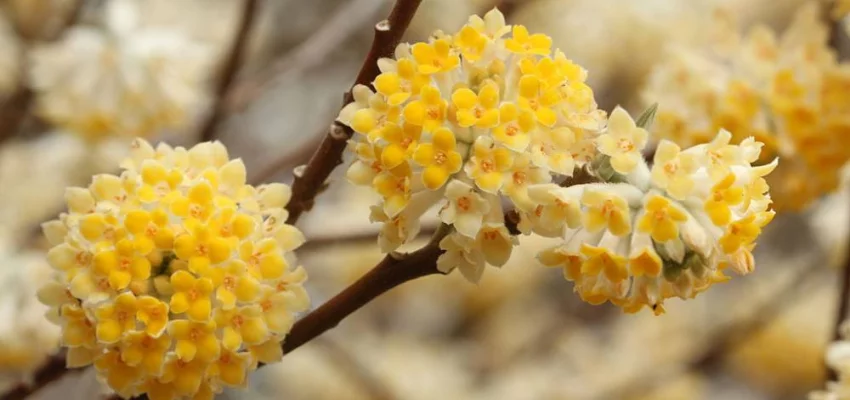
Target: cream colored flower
167, 269
623, 141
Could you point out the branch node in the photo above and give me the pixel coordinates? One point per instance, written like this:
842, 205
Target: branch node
338, 131
383, 26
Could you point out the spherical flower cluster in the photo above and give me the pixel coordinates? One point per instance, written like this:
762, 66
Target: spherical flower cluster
647, 234
838, 359
467, 120
788, 92
119, 80
175, 278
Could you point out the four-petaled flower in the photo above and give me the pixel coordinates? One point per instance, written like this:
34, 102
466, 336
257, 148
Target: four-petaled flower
661, 219
440, 158
622, 142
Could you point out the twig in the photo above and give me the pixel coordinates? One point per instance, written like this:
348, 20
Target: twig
14, 111
389, 273
329, 37
228, 74
311, 180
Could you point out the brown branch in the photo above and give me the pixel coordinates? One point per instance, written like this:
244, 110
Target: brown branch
309, 53
237, 54
389, 273
311, 180
14, 111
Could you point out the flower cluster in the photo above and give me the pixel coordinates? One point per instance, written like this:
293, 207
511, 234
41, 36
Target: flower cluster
838, 359
647, 234
468, 120
473, 121
176, 277
789, 92
119, 80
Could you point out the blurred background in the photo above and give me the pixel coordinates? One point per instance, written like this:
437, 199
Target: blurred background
518, 334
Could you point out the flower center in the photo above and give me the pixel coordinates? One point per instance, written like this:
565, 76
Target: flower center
229, 282
237, 321
464, 203
519, 177
671, 168
625, 145
487, 166
440, 158
512, 129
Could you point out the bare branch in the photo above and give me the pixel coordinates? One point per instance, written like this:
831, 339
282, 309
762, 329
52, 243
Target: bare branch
231, 68
329, 37
328, 156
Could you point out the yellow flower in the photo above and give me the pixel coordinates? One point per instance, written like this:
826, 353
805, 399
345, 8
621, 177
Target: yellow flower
602, 260
550, 149
401, 142
373, 120
400, 84
428, 111
515, 126
116, 319
394, 189
191, 296
539, 100
194, 339
138, 349
521, 174
523, 43
233, 283
201, 247
153, 313
623, 142
79, 329
605, 211
661, 219
478, 110
121, 265
672, 170
120, 376
231, 367
743, 232
723, 197
273, 305
264, 259
471, 43
435, 57
241, 325
440, 159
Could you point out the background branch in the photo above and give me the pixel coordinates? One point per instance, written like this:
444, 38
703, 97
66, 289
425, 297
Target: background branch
231, 68
330, 36
310, 180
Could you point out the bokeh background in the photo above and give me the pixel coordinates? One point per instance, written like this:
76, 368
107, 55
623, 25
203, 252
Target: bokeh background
520, 333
